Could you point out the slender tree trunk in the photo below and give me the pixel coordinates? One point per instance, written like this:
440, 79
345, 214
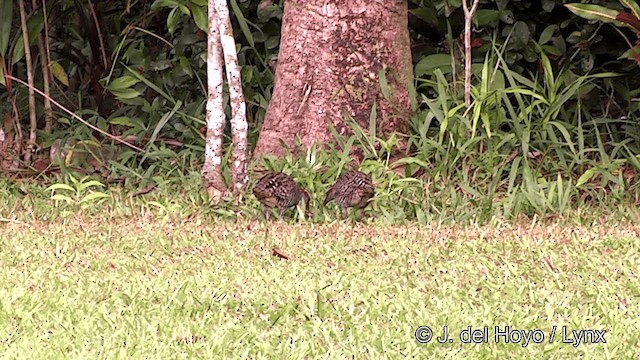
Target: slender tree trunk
32, 97
468, 18
332, 56
212, 168
46, 74
238, 106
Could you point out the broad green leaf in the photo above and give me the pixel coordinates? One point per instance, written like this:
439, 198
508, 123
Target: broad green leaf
184, 10
272, 42
547, 34
122, 83
548, 5
429, 63
6, 16
559, 43
426, 13
126, 94
35, 24
158, 4
185, 66
487, 17
586, 176
172, 20
551, 50
521, 33
18, 50
58, 72
200, 17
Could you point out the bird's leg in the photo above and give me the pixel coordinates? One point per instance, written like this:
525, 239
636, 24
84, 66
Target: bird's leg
282, 210
361, 214
345, 212
267, 212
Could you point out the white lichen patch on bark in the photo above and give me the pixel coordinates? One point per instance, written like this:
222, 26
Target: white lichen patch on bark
238, 107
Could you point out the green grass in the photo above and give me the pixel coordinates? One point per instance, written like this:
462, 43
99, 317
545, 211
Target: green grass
105, 285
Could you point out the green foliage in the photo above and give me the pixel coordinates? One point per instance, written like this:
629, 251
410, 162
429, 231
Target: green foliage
561, 33
618, 18
81, 193
550, 129
527, 147
523, 147
6, 15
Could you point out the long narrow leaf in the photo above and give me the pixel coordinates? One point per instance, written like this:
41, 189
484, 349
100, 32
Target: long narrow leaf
596, 12
633, 5
242, 22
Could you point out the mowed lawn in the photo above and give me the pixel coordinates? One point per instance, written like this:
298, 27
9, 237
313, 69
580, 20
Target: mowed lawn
201, 287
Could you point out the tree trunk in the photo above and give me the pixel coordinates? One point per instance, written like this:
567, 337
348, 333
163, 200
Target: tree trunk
332, 53
213, 180
236, 97
32, 96
46, 74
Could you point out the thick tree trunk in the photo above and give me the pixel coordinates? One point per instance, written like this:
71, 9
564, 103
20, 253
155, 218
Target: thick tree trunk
331, 55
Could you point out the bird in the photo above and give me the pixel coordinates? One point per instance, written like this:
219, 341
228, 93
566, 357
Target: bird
351, 189
278, 190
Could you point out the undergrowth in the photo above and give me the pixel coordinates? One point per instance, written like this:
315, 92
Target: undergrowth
526, 148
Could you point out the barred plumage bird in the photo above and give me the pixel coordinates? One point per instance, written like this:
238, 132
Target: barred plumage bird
278, 190
352, 189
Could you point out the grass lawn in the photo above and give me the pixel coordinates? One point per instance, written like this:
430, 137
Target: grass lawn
171, 287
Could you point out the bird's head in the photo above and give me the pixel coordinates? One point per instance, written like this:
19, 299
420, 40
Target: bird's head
307, 200
330, 196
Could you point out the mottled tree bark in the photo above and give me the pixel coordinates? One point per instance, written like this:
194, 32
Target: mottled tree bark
468, 18
212, 168
236, 97
331, 55
220, 40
